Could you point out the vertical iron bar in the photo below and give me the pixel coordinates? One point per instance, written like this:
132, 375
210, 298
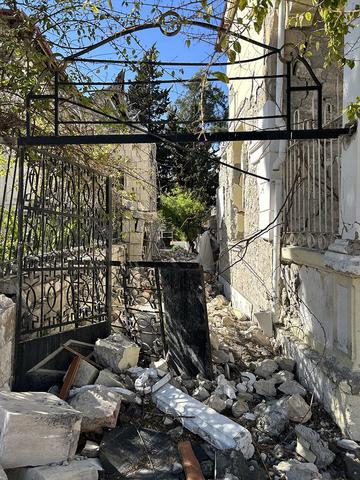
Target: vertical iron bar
109, 251
288, 96
161, 312
28, 115
19, 265
320, 108
56, 104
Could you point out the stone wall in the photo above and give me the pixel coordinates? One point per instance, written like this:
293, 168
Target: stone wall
7, 341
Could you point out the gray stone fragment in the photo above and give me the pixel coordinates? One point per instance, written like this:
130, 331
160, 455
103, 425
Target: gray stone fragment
295, 470
201, 394
310, 444
109, 379
272, 417
299, 410
292, 387
91, 449
86, 374
282, 376
265, 388
78, 469
239, 408
216, 402
116, 352
36, 428
100, 408
347, 444
285, 363
266, 368
3, 475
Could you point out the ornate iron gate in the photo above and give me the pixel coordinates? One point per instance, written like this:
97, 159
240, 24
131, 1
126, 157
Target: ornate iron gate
64, 255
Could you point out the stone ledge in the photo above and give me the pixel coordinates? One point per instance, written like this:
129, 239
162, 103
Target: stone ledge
335, 387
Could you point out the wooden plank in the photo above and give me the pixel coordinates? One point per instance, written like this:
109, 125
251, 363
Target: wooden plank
189, 461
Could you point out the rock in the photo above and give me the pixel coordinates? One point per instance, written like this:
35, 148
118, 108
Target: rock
78, 469
176, 433
272, 417
217, 403
109, 379
250, 417
285, 363
3, 475
352, 466
228, 321
282, 376
225, 387
127, 396
232, 465
310, 445
248, 377
241, 387
347, 444
86, 374
206, 384
256, 335
294, 470
266, 368
292, 387
91, 449
100, 408
265, 388
36, 428
116, 352
207, 468
218, 430
160, 364
214, 340
299, 410
239, 407
168, 421
201, 394
248, 397
220, 356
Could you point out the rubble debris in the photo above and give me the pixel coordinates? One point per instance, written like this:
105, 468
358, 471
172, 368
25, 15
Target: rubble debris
36, 428
347, 444
86, 374
200, 393
116, 352
285, 363
282, 376
312, 448
189, 461
292, 387
108, 379
352, 466
160, 364
138, 453
239, 408
295, 470
272, 417
232, 464
77, 469
299, 410
266, 368
265, 387
217, 403
3, 475
218, 430
91, 449
100, 408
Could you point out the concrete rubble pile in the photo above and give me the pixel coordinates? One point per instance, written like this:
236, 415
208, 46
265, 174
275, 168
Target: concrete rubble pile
124, 416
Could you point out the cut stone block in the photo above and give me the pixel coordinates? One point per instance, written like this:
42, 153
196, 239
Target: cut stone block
109, 379
78, 469
213, 427
86, 374
100, 408
36, 428
116, 352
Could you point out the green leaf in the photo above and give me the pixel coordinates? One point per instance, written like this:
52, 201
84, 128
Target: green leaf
242, 4
221, 76
94, 8
231, 56
308, 16
237, 47
110, 4
188, 43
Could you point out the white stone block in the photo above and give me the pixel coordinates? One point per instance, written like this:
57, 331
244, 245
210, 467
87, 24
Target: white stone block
84, 469
116, 352
86, 374
100, 408
218, 430
36, 428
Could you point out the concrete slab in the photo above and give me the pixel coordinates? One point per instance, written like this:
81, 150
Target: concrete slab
36, 428
218, 430
86, 374
100, 408
78, 469
116, 352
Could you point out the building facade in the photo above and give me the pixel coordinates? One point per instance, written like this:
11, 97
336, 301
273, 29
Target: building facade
290, 246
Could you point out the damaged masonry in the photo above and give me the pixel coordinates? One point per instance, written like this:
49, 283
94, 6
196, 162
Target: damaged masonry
214, 342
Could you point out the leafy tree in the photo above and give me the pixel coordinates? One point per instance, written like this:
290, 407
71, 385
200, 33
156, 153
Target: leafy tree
147, 99
183, 212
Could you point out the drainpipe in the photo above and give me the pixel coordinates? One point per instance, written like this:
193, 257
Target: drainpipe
276, 172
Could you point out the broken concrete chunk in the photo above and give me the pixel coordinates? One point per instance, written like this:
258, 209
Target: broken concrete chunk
91, 449
78, 469
116, 352
100, 408
282, 376
285, 363
292, 387
219, 431
272, 417
310, 445
266, 368
232, 465
295, 470
239, 408
265, 388
36, 428
347, 444
160, 364
108, 379
201, 394
217, 403
86, 374
299, 410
